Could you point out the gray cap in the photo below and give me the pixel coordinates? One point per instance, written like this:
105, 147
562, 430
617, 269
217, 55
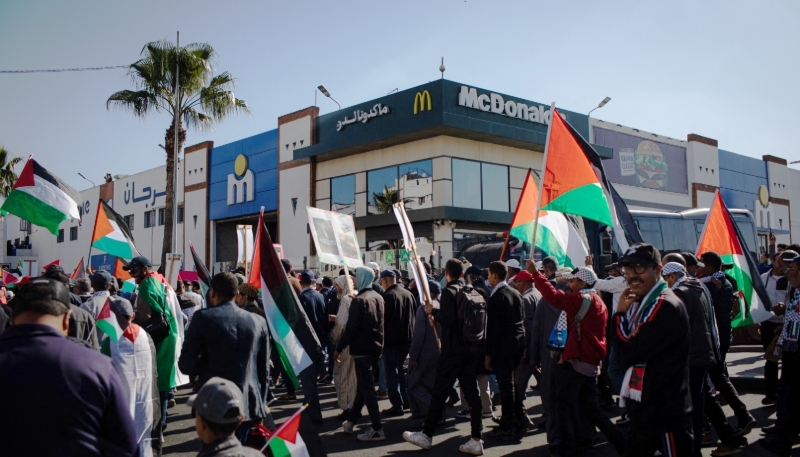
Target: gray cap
218, 401
121, 307
101, 278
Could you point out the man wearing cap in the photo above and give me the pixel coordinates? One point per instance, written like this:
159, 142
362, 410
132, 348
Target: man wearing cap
226, 341
54, 387
135, 355
584, 351
155, 297
101, 283
81, 323
650, 335
513, 267
220, 409
530, 298
722, 296
398, 324
314, 305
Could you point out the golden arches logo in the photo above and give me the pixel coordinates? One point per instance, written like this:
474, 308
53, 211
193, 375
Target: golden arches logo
419, 101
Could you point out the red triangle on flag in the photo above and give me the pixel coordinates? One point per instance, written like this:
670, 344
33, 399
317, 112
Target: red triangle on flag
131, 332
288, 431
105, 311
26, 176
54, 262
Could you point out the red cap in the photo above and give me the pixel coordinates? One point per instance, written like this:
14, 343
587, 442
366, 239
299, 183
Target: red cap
523, 275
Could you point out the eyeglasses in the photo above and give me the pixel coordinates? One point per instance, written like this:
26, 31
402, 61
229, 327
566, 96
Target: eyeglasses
637, 269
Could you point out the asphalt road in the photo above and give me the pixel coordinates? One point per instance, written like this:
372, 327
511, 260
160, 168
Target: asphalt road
328, 439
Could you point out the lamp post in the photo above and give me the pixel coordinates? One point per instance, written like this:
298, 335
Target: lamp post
84, 177
589, 115
327, 94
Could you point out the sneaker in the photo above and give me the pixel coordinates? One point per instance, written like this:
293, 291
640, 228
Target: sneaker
348, 427
392, 412
464, 414
749, 423
624, 419
171, 403
474, 447
766, 401
707, 439
418, 439
723, 450
372, 435
487, 415
324, 379
382, 395
287, 397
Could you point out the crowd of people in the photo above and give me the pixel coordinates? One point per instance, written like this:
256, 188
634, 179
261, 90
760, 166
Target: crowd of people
96, 368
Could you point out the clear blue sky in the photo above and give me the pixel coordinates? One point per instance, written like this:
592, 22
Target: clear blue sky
723, 69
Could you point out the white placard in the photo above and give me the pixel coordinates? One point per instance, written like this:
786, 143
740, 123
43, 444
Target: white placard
335, 237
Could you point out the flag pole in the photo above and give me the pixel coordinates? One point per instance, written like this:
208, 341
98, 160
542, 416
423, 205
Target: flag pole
541, 180
505, 245
280, 429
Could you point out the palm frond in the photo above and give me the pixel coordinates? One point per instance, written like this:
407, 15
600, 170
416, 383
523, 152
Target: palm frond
140, 102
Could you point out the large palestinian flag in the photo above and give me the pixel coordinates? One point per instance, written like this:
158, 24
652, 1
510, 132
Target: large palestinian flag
111, 234
721, 235
575, 182
555, 236
254, 278
41, 198
294, 337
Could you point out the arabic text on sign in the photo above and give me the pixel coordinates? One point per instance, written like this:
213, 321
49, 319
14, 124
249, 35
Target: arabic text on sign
363, 116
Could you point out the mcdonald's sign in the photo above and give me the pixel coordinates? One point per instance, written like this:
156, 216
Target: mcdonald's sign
419, 101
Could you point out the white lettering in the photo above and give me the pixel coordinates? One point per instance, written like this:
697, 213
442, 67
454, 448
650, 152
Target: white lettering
497, 104
548, 116
533, 114
522, 111
483, 101
239, 190
511, 109
468, 97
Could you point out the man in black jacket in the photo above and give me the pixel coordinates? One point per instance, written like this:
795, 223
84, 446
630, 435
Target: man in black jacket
505, 344
364, 335
652, 344
399, 310
457, 361
227, 341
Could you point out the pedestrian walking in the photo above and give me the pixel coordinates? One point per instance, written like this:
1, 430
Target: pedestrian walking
423, 358
344, 370
399, 318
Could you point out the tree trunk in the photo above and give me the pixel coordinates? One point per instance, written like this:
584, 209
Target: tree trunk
169, 222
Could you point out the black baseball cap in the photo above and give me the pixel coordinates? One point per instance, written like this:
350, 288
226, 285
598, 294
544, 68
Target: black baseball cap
712, 259
44, 288
611, 267
388, 274
137, 262
691, 260
101, 278
641, 254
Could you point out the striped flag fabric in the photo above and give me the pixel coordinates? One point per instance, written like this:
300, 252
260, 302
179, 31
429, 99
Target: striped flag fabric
107, 322
42, 198
202, 271
254, 278
111, 234
286, 441
575, 183
80, 271
119, 272
9, 278
294, 337
720, 234
555, 236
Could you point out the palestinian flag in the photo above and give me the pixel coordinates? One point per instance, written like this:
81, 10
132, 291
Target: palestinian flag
202, 271
41, 198
56, 262
9, 278
720, 234
255, 266
111, 234
555, 236
80, 271
286, 440
294, 337
119, 272
575, 182
107, 322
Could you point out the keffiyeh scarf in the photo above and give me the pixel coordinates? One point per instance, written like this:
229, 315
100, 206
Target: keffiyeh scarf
787, 342
638, 314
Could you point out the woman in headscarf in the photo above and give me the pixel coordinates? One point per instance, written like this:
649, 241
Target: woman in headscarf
344, 372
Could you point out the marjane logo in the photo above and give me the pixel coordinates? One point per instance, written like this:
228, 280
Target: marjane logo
240, 183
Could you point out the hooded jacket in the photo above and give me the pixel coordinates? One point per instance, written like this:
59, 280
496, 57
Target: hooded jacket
701, 346
364, 330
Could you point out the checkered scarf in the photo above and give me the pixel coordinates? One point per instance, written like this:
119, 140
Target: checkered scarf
787, 342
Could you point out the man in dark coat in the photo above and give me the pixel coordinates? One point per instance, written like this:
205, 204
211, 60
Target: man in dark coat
81, 323
364, 335
314, 305
505, 345
227, 341
399, 318
53, 386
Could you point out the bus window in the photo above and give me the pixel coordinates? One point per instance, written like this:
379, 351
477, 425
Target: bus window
678, 234
651, 231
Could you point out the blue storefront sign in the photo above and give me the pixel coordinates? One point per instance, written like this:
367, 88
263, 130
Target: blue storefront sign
244, 177
102, 262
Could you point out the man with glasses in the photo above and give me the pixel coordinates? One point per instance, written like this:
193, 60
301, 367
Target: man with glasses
655, 356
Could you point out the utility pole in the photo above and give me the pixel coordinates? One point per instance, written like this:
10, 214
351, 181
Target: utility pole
175, 161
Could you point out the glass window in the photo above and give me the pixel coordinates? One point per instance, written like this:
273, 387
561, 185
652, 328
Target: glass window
60, 237
467, 184
180, 214
129, 221
73, 233
494, 181
381, 190
343, 194
416, 184
161, 214
149, 219
650, 229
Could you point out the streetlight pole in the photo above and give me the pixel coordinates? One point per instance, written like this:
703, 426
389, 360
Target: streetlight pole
327, 94
589, 116
175, 159
84, 177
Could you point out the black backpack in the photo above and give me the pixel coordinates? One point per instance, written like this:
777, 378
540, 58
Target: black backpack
471, 308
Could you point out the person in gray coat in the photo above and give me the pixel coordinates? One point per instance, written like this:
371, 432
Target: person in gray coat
231, 343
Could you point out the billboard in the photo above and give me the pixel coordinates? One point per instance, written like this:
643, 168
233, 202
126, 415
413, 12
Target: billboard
644, 163
335, 237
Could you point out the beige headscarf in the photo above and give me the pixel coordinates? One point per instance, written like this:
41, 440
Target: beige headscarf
346, 283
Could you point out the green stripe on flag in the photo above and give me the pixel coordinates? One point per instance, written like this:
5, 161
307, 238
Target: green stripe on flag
278, 448
287, 366
27, 207
587, 201
114, 247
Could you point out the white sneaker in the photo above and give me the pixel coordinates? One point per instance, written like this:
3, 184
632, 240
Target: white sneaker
472, 447
348, 427
418, 439
371, 435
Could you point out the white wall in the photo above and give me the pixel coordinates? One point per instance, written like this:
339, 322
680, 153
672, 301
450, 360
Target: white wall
294, 183
702, 164
195, 213
794, 202
778, 176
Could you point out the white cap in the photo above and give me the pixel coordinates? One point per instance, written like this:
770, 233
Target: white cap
319, 280
372, 265
539, 266
513, 263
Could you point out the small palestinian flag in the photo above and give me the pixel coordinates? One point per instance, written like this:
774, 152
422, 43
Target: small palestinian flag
294, 337
107, 322
286, 440
202, 271
41, 198
720, 234
80, 271
556, 236
9, 278
111, 234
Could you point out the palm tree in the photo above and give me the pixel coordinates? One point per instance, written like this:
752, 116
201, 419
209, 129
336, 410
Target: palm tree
203, 101
387, 198
7, 175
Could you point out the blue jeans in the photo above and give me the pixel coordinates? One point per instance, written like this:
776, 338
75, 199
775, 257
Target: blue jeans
381, 375
395, 376
493, 386
163, 396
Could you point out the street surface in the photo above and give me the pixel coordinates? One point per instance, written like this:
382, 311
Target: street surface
181, 440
